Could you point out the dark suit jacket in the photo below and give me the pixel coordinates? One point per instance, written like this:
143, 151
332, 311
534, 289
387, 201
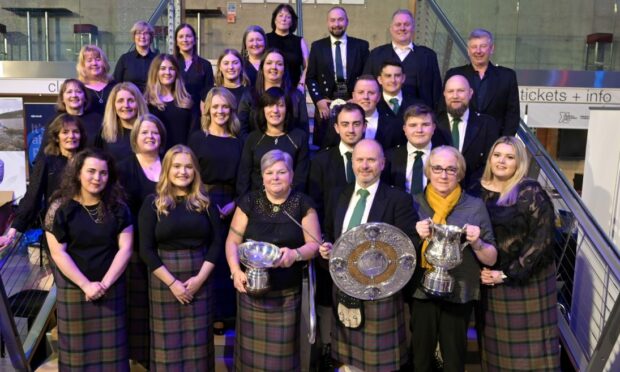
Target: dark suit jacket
423, 80
326, 174
321, 78
501, 100
391, 206
481, 133
389, 131
395, 171
408, 100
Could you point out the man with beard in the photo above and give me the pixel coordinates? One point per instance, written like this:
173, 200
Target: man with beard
420, 66
495, 87
472, 133
334, 64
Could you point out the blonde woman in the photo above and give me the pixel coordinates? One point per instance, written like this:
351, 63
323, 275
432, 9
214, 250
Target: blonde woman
133, 66
180, 242
93, 69
230, 73
168, 99
520, 289
124, 106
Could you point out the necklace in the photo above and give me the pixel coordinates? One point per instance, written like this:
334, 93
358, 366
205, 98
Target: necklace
94, 212
100, 96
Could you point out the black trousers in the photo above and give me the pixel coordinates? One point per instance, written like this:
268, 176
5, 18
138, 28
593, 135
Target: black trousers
446, 322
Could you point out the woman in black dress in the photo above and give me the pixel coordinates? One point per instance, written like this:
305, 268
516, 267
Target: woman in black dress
520, 307
180, 242
295, 49
218, 150
272, 73
168, 99
274, 118
138, 175
65, 138
197, 72
133, 66
230, 73
93, 70
267, 335
253, 46
124, 106
89, 233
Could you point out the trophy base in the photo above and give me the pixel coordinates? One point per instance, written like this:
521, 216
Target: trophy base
437, 284
258, 282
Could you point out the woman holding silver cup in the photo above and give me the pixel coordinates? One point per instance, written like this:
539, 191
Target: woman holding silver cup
267, 334
444, 319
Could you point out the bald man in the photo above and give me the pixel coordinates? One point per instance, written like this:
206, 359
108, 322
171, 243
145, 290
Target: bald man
472, 133
378, 342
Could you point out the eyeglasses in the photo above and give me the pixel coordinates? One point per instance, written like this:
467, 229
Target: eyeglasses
450, 171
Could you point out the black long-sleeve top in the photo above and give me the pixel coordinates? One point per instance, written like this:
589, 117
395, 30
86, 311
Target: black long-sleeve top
295, 143
120, 149
99, 98
137, 186
179, 122
180, 229
44, 180
198, 79
218, 157
134, 67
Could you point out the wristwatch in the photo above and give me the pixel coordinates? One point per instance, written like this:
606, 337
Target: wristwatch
298, 256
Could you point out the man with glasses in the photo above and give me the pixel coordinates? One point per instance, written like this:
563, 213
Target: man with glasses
472, 133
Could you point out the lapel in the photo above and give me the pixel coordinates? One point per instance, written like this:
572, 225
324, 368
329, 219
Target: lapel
400, 161
473, 127
491, 80
337, 165
328, 58
341, 209
378, 205
352, 58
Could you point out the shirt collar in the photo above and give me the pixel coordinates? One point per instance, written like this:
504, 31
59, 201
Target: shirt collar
372, 189
374, 116
343, 39
410, 46
387, 97
411, 148
464, 117
344, 148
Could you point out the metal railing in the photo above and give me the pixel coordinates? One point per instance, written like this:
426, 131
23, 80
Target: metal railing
588, 263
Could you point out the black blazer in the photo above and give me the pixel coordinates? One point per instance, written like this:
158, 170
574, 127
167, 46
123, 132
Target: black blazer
481, 133
501, 100
395, 171
327, 173
321, 78
390, 205
408, 100
389, 131
423, 80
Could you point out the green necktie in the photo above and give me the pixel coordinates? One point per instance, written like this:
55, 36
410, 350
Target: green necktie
416, 174
358, 211
456, 137
350, 174
395, 105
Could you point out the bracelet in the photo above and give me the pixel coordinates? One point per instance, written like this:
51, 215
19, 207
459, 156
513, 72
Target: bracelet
298, 256
174, 281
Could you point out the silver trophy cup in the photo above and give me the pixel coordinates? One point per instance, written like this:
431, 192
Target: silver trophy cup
444, 252
258, 257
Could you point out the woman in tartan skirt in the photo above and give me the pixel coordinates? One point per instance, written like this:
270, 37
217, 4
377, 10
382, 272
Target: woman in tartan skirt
520, 330
180, 242
89, 234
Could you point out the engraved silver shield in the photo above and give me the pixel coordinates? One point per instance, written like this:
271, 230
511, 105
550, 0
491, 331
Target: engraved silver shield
372, 261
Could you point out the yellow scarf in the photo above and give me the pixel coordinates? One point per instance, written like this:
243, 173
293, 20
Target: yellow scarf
442, 207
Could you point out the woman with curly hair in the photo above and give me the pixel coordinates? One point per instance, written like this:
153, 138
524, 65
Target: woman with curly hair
89, 233
180, 242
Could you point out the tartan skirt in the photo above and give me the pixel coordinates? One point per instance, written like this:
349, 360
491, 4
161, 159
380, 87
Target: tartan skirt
181, 335
380, 344
92, 336
521, 325
138, 309
267, 333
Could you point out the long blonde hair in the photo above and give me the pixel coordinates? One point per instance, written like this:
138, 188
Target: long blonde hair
196, 200
80, 67
508, 195
112, 126
232, 125
153, 90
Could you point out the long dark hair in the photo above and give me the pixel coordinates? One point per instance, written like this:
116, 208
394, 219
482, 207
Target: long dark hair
291, 11
271, 97
260, 77
52, 146
177, 51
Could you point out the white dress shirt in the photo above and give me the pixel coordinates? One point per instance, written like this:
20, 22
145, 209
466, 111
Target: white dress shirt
344, 148
343, 52
399, 97
372, 124
462, 128
402, 53
411, 159
372, 189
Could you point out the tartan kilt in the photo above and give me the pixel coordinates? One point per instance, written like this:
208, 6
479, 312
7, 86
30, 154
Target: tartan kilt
380, 344
92, 336
267, 332
138, 309
521, 326
181, 335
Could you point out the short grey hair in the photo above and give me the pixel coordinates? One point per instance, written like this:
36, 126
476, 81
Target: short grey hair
479, 33
274, 156
460, 161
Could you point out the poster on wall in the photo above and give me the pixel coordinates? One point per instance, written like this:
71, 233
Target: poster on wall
12, 147
37, 115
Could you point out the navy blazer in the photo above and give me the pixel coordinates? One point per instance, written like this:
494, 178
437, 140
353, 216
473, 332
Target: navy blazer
321, 78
